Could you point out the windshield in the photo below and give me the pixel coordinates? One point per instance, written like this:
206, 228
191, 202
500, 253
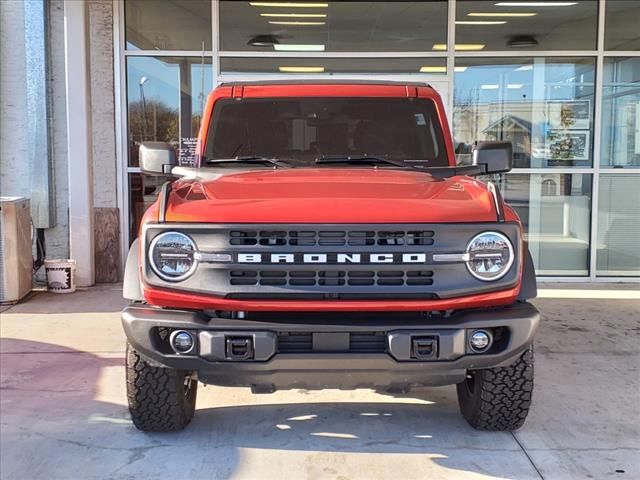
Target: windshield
301, 130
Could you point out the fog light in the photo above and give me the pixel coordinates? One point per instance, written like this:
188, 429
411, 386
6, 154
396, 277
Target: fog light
480, 340
181, 341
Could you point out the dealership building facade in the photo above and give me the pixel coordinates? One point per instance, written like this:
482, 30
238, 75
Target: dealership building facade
84, 83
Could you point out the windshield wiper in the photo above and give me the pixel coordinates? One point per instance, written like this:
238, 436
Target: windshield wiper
439, 173
364, 159
276, 162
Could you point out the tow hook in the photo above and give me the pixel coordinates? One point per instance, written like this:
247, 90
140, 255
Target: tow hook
239, 348
424, 348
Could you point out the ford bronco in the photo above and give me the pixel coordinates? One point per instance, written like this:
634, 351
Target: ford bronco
326, 238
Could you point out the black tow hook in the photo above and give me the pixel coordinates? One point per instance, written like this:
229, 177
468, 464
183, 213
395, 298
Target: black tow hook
239, 348
424, 348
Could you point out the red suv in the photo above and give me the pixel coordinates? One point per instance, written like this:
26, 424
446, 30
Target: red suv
327, 238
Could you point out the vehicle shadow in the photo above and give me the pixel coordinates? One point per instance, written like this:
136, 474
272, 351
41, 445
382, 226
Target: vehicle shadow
64, 415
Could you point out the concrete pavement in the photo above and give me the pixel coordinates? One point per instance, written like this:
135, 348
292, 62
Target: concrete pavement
63, 408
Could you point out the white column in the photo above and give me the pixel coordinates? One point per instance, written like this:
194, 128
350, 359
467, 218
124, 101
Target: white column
79, 148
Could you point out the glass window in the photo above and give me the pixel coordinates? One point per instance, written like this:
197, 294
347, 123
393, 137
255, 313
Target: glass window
621, 30
165, 98
620, 145
168, 24
301, 65
544, 106
618, 252
143, 191
555, 212
513, 26
301, 130
334, 26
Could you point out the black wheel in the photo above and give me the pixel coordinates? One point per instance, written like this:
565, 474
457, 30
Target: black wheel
160, 399
498, 398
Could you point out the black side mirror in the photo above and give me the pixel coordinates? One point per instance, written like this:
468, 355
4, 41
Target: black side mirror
497, 157
157, 158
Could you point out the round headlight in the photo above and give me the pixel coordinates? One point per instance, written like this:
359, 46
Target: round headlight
490, 256
171, 256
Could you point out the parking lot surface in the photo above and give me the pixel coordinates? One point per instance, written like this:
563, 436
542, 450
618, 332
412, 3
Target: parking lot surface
63, 407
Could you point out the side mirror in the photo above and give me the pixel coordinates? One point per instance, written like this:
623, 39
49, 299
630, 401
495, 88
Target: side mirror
157, 158
497, 157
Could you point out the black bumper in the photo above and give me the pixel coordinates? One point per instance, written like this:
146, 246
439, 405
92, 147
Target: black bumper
329, 359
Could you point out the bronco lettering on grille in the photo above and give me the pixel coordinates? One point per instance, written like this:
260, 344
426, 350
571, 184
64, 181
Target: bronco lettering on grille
332, 258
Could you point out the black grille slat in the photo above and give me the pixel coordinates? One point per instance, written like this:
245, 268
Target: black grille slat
335, 278
331, 238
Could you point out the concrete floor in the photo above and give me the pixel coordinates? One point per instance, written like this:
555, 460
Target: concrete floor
63, 411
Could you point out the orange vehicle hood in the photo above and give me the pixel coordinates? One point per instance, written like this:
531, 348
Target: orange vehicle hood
330, 195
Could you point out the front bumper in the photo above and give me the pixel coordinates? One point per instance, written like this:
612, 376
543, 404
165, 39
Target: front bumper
330, 359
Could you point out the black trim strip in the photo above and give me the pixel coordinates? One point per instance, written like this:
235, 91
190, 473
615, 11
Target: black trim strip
165, 191
497, 198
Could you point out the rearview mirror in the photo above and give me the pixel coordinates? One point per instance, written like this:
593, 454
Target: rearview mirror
497, 157
157, 158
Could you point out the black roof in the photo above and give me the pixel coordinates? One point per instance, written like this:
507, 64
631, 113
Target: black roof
324, 82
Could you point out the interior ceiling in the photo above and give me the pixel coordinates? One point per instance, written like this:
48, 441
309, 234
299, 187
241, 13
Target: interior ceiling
375, 26
349, 26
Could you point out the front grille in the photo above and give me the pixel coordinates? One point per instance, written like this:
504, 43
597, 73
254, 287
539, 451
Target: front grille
317, 262
336, 278
361, 342
330, 238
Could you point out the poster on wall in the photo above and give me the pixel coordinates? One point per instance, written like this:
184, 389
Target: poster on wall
187, 151
568, 145
572, 115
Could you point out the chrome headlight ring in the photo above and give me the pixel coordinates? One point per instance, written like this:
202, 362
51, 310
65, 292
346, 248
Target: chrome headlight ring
178, 261
487, 252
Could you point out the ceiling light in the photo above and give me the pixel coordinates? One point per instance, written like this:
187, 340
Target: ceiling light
298, 48
433, 69
501, 14
490, 86
295, 15
263, 41
296, 23
459, 46
522, 41
301, 69
459, 69
289, 4
514, 86
480, 22
535, 4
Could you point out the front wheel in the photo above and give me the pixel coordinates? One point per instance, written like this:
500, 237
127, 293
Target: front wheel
498, 398
160, 399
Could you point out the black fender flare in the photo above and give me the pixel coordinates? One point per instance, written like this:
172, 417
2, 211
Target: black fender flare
131, 283
529, 287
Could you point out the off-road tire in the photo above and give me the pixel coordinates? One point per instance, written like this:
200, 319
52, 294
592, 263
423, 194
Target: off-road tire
498, 398
160, 399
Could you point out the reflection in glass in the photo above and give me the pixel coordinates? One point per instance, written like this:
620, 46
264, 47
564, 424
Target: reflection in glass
143, 191
564, 26
334, 26
621, 30
168, 24
165, 97
554, 209
300, 65
619, 226
544, 106
621, 113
